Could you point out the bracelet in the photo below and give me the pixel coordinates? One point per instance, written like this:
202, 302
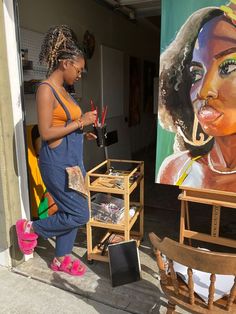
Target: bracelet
80, 124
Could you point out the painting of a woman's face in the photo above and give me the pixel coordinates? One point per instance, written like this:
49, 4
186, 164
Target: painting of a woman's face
213, 71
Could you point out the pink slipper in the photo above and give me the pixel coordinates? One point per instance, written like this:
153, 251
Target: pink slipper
74, 268
27, 241
24, 232
27, 248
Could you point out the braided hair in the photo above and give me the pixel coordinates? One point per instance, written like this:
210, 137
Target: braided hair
59, 43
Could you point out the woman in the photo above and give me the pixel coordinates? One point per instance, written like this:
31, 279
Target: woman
61, 123
197, 101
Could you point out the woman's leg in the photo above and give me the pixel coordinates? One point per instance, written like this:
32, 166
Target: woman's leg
72, 209
59, 224
65, 243
63, 261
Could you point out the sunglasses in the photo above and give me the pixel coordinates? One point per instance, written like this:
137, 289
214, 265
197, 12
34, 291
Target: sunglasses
78, 70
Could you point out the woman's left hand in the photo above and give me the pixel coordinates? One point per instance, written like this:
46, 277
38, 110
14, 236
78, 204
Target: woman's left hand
90, 136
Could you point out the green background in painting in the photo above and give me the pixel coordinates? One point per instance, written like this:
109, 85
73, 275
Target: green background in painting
173, 16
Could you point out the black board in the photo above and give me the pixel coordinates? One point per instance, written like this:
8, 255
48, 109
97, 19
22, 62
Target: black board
124, 262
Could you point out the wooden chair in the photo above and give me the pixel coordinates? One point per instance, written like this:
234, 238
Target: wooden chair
181, 294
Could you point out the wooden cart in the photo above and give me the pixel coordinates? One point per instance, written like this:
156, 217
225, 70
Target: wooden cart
130, 175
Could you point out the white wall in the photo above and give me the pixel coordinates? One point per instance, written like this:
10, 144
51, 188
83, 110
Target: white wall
18, 118
109, 29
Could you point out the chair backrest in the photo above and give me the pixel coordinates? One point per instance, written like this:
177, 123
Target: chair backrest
193, 258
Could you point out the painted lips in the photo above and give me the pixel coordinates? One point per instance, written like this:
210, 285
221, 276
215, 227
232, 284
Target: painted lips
208, 114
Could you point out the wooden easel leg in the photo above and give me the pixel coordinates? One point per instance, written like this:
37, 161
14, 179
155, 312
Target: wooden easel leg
89, 240
182, 222
187, 216
215, 220
141, 200
187, 221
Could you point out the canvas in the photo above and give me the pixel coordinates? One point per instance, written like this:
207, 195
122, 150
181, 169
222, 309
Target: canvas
197, 96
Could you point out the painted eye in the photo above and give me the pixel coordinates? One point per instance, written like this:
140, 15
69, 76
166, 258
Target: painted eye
227, 67
196, 74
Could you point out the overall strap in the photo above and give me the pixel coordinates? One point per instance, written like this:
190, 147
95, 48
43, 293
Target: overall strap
58, 99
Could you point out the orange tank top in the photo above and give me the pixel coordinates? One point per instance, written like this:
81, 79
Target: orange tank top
59, 117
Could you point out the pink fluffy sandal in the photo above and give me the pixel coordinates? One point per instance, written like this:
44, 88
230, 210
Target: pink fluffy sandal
27, 248
74, 268
27, 241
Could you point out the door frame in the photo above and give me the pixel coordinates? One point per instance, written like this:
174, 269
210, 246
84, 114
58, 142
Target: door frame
14, 191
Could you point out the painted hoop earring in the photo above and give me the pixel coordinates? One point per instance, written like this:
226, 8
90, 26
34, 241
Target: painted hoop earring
200, 141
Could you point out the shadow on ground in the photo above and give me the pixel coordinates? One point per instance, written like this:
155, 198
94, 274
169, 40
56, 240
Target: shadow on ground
140, 297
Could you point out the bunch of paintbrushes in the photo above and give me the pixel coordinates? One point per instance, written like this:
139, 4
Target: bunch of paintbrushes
99, 125
99, 122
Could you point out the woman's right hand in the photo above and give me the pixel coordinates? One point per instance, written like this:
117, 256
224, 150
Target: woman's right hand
89, 117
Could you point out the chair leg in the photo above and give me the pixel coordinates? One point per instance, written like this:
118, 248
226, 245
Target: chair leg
170, 308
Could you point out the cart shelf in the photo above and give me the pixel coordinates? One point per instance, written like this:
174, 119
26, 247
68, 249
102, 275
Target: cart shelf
125, 177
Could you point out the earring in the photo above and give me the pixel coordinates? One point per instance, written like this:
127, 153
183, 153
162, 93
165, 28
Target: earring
200, 141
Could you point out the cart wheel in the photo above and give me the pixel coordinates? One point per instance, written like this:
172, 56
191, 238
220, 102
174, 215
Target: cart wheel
90, 262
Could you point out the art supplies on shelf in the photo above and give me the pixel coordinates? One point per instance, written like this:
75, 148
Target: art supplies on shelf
112, 238
107, 208
115, 179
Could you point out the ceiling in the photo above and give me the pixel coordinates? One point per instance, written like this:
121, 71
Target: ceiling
148, 11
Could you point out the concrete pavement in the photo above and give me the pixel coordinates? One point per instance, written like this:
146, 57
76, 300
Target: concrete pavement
23, 295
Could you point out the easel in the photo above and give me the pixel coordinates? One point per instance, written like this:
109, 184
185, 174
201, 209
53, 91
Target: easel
216, 199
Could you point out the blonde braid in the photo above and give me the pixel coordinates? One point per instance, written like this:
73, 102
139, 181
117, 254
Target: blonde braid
54, 50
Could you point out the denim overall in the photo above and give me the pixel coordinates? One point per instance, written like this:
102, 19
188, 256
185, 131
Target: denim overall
72, 206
